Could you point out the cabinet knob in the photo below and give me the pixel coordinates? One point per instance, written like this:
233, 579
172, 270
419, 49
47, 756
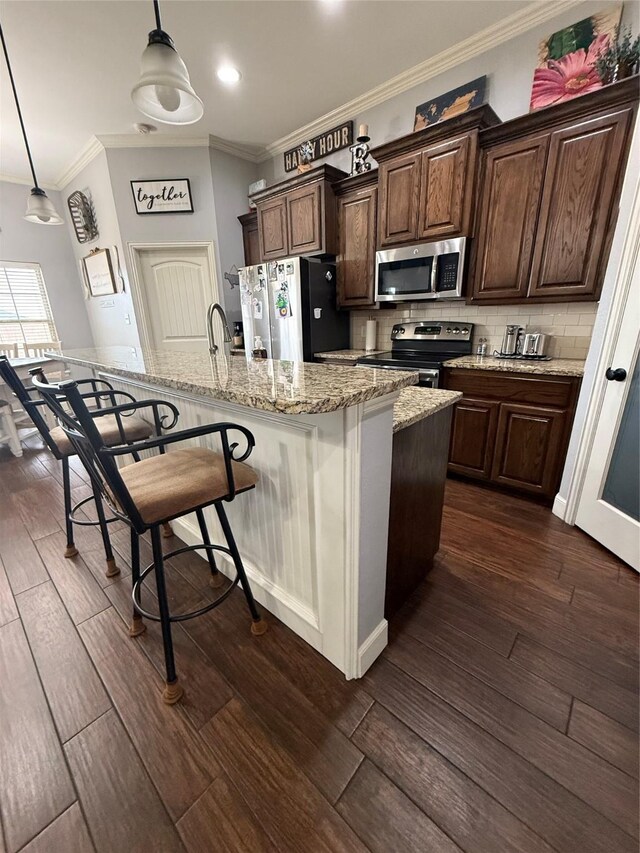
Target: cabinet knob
618, 374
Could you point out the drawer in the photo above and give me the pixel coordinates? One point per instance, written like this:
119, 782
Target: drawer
538, 390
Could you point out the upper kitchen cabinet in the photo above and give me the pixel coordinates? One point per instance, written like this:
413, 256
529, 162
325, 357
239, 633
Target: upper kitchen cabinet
357, 215
426, 180
250, 241
298, 215
549, 190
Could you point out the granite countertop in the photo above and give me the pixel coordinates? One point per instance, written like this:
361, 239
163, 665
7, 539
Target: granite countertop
555, 367
290, 387
414, 404
346, 354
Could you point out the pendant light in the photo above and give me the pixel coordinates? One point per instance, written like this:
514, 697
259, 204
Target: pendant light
164, 92
40, 208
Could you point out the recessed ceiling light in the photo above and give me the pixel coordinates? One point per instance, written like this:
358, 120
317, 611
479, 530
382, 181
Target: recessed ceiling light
228, 74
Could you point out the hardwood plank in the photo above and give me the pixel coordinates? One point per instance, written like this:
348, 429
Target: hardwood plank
282, 798
467, 813
74, 582
236, 830
538, 696
562, 819
22, 563
35, 786
8, 609
583, 683
123, 809
178, 762
67, 834
589, 574
617, 603
609, 739
74, 691
34, 511
568, 763
385, 819
206, 691
317, 747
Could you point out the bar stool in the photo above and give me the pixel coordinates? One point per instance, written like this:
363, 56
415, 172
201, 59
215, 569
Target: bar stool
117, 427
157, 490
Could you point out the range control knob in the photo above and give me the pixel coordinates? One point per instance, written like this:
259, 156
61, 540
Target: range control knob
448, 330
456, 330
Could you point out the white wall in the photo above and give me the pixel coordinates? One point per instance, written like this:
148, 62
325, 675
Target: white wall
231, 177
51, 247
509, 68
106, 313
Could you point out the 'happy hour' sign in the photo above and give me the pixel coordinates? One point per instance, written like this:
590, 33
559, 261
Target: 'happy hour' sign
320, 146
162, 196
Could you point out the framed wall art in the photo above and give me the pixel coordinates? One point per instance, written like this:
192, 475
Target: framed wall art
99, 273
162, 195
457, 101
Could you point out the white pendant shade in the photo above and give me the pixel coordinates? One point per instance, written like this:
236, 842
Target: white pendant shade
40, 209
164, 92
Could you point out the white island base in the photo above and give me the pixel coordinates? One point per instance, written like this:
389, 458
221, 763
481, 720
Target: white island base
313, 533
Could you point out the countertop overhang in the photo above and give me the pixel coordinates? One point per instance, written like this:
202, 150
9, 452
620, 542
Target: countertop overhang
554, 367
416, 404
272, 386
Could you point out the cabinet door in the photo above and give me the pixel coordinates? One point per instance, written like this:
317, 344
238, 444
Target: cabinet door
577, 211
473, 435
272, 230
399, 182
357, 213
251, 243
304, 220
529, 448
511, 185
444, 203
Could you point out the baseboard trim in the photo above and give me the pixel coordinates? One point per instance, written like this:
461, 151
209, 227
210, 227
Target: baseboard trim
372, 647
559, 507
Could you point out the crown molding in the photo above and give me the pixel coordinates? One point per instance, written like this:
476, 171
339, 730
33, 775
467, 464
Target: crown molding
244, 152
27, 182
151, 140
82, 159
493, 36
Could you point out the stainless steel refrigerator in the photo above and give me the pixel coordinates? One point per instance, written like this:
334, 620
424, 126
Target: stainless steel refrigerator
291, 305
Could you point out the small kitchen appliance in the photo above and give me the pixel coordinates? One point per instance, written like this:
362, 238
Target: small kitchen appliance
423, 345
291, 305
416, 273
534, 345
510, 341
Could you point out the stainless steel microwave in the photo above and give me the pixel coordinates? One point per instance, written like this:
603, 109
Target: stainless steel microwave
427, 271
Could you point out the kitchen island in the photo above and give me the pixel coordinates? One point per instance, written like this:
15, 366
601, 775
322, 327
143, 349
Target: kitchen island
313, 534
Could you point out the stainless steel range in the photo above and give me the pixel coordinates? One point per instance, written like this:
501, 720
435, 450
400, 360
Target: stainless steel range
423, 346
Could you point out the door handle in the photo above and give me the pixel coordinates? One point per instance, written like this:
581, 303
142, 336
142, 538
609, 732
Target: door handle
618, 374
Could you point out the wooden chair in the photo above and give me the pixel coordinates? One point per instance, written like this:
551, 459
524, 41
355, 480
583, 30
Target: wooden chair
158, 489
10, 350
122, 427
39, 348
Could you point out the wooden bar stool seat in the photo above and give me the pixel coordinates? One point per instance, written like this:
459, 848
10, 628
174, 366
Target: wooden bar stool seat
151, 492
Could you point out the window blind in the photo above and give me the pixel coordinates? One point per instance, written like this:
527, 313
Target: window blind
25, 312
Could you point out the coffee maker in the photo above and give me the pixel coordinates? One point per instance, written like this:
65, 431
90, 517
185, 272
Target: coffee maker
511, 341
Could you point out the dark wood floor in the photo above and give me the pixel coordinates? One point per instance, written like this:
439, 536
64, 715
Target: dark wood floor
502, 717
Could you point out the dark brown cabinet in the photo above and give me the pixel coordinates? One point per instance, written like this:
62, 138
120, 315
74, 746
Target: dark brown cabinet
426, 180
511, 429
357, 215
250, 241
298, 216
548, 199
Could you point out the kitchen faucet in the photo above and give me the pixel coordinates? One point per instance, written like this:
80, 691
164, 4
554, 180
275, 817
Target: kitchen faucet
215, 306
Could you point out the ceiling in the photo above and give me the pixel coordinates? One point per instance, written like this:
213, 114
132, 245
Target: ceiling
74, 63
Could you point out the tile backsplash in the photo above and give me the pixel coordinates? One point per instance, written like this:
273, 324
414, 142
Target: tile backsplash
570, 324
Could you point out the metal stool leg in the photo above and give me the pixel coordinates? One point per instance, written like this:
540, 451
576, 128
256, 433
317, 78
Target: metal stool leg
112, 569
70, 550
259, 625
217, 579
137, 626
173, 691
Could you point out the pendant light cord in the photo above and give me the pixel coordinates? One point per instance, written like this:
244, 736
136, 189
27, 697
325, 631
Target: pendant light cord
15, 95
156, 9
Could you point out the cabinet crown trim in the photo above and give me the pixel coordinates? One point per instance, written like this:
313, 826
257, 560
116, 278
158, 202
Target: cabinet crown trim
322, 173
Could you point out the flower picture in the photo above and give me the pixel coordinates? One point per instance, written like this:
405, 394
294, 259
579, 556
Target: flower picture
567, 59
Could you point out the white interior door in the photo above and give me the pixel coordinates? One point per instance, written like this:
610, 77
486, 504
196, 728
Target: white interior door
609, 506
176, 285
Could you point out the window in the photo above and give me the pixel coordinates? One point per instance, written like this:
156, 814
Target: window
25, 312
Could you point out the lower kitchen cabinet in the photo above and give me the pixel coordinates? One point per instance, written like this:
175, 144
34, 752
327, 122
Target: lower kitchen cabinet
511, 430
